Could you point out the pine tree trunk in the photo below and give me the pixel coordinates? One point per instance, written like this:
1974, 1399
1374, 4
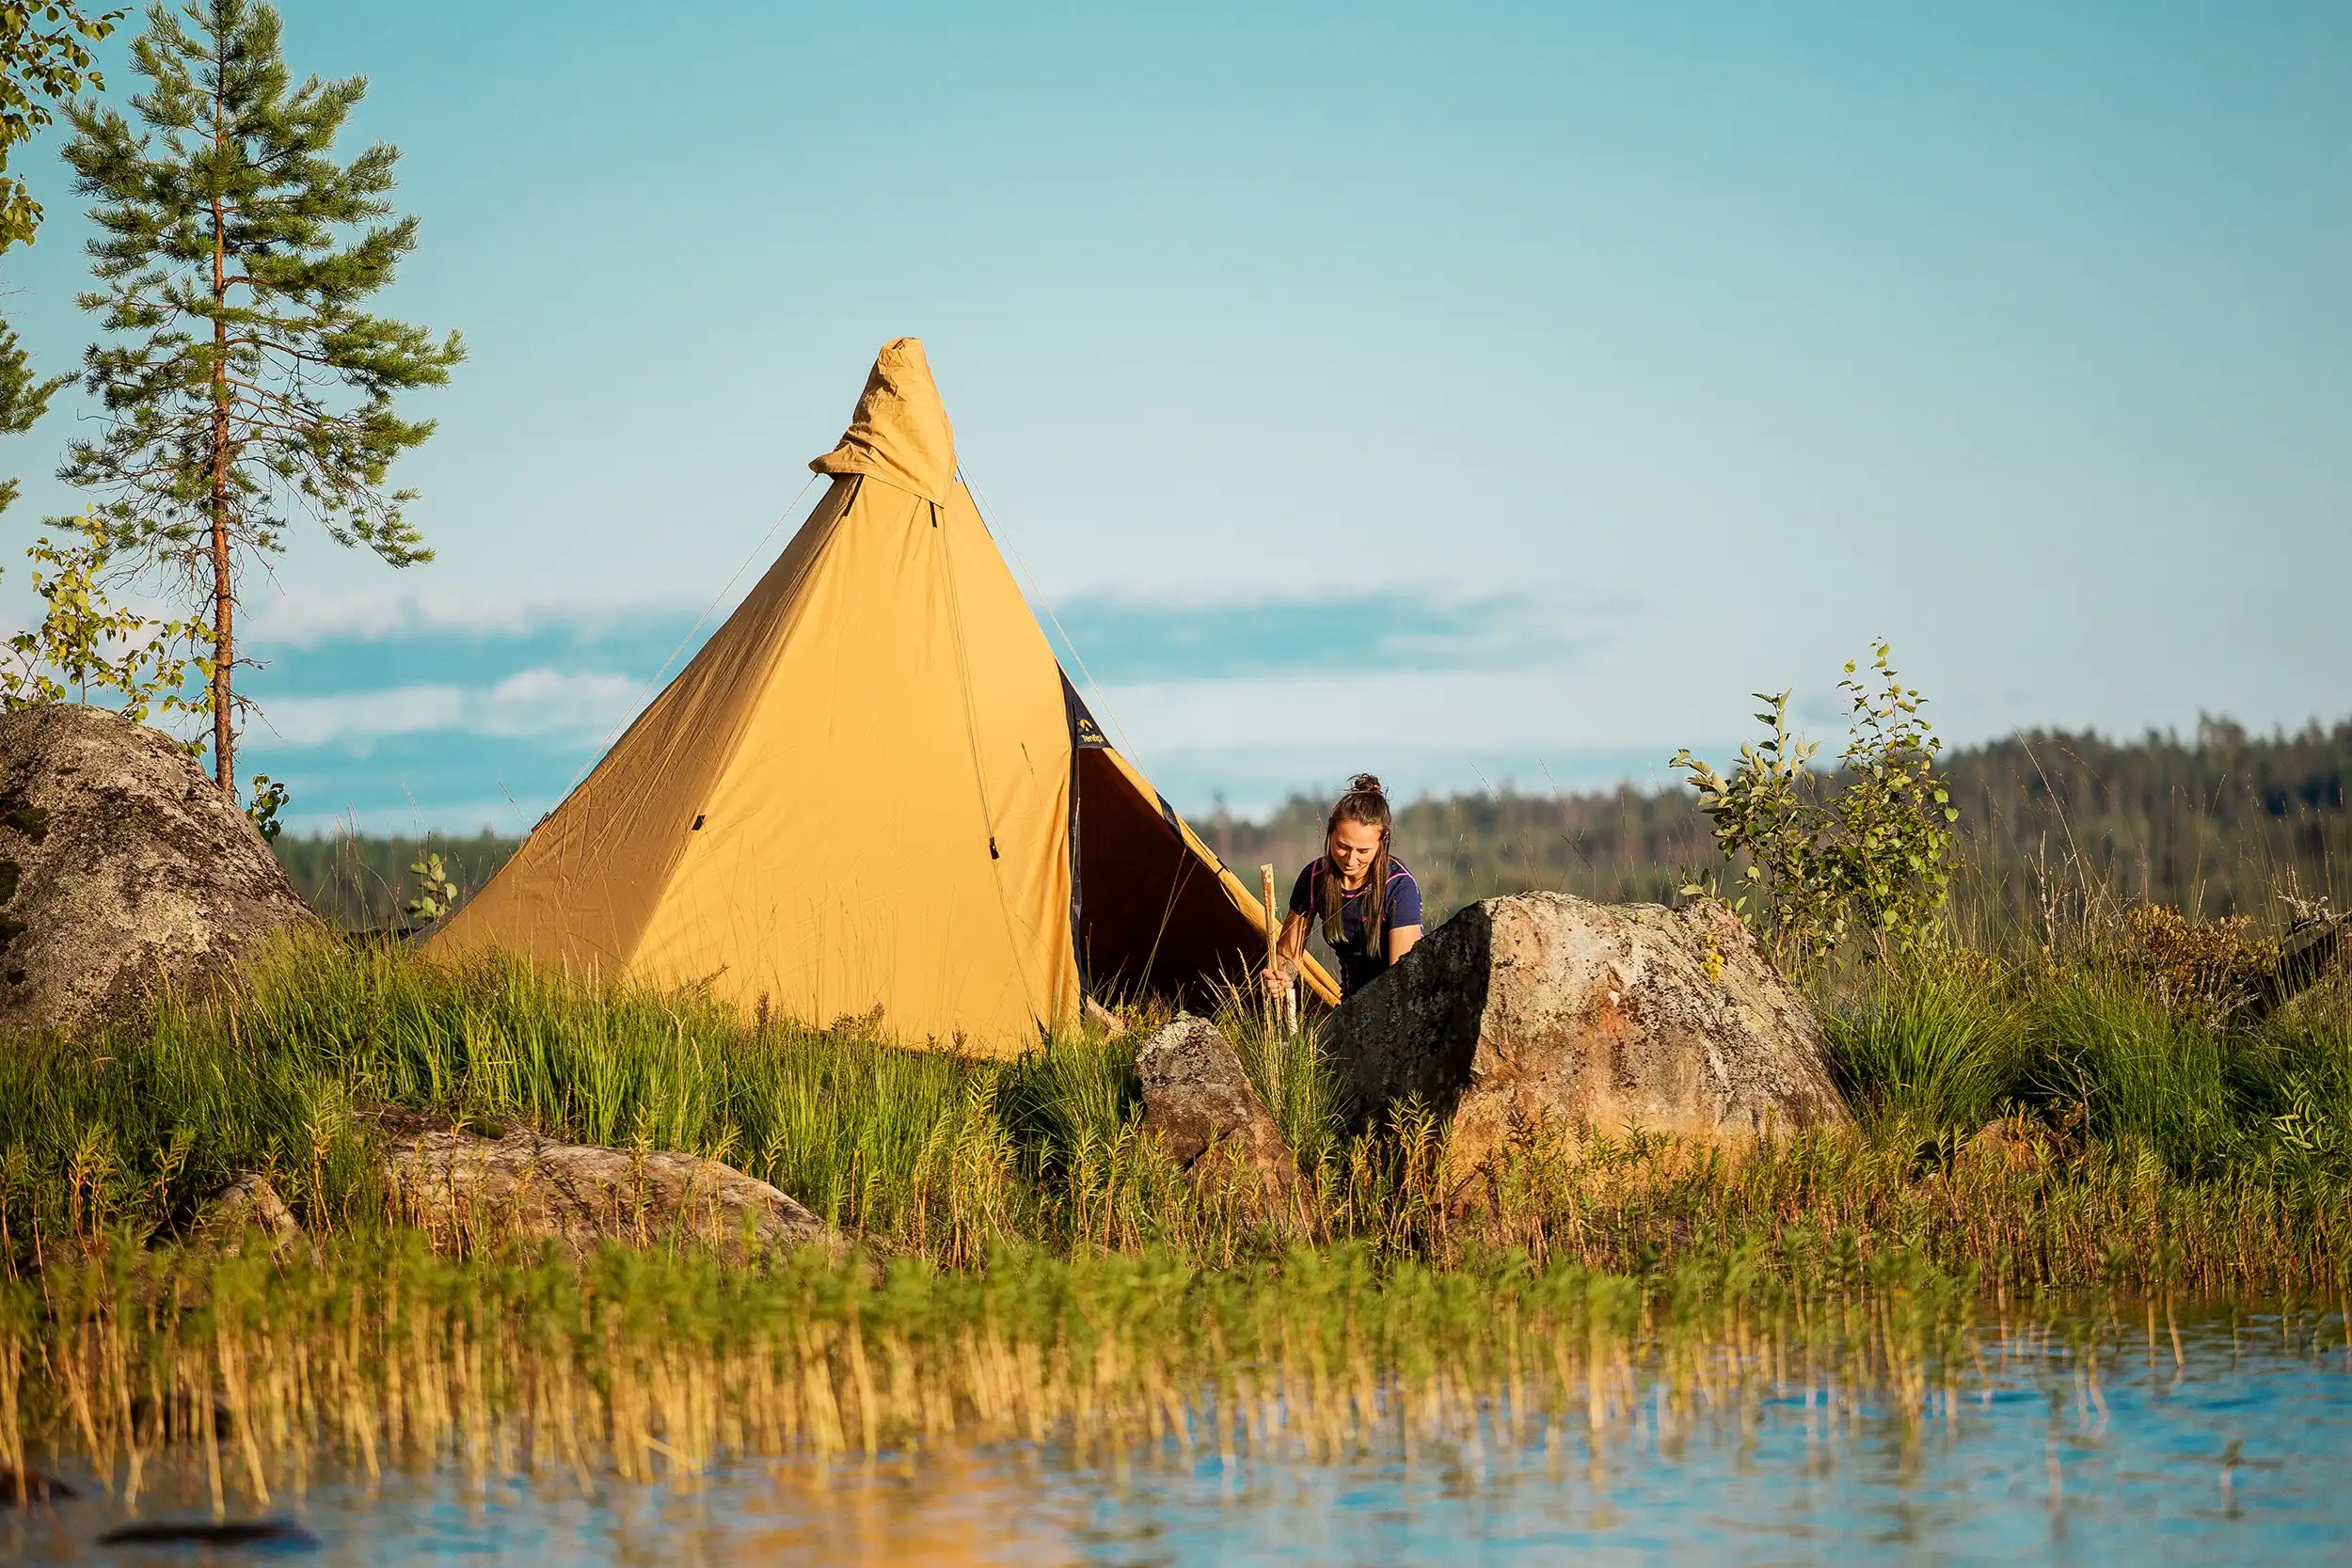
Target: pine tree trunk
224, 607
224, 595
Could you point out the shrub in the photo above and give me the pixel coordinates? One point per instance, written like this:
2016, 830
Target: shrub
1867, 853
2212, 967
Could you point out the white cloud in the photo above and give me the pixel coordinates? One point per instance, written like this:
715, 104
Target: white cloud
303, 619
579, 706
365, 715
555, 701
1458, 710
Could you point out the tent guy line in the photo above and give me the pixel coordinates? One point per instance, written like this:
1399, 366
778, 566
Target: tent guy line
988, 512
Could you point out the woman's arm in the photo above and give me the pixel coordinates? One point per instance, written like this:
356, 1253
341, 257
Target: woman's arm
1404, 914
1292, 943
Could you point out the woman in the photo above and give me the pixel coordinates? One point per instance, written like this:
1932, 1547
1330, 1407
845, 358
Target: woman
1368, 904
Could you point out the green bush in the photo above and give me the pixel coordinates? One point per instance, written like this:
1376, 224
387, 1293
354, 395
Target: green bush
1865, 854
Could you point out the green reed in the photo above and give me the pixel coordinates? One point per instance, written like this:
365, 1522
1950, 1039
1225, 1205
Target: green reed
374, 1352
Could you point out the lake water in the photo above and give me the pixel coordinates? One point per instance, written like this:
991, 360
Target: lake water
2242, 1448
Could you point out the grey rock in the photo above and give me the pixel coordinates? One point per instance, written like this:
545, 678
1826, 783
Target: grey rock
1200, 1103
279, 1535
1546, 1009
466, 1190
248, 1204
124, 872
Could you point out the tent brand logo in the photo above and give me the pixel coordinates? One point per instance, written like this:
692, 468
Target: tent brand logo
1085, 733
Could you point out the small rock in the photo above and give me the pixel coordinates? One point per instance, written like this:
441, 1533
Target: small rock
463, 1189
283, 1534
1198, 1101
248, 1204
1546, 1009
2010, 1142
31, 1486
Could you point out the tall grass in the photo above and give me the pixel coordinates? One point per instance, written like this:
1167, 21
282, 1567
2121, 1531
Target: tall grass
2089, 1048
1293, 1077
1935, 1049
2144, 1074
130, 1132
2172, 1150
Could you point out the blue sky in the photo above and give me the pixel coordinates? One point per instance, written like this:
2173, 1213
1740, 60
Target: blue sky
1466, 393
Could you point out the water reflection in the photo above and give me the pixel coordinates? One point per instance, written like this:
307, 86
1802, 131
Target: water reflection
2077, 1442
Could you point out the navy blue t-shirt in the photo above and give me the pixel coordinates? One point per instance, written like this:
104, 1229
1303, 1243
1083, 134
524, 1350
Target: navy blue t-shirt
1363, 956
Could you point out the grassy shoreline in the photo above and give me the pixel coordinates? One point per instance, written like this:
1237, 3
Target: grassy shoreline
2148, 1144
1031, 1269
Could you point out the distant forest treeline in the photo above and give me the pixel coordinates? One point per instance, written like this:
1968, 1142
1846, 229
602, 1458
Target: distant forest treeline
363, 883
2216, 823
2212, 824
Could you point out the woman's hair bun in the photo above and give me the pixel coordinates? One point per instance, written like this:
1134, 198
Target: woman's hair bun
1366, 784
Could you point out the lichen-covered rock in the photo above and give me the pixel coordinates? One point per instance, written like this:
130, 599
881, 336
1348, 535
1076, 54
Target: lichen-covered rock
1546, 1009
123, 871
1200, 1103
248, 1204
466, 1190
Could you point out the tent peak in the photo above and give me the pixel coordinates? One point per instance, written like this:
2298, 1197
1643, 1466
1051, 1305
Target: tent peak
899, 433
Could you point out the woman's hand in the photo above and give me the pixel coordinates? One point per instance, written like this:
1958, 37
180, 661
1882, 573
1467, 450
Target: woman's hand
1288, 945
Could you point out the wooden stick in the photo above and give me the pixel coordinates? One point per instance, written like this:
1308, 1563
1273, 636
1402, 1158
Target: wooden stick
1280, 1004
1273, 940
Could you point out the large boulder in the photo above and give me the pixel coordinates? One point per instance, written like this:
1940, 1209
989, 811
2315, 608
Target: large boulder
468, 1188
123, 871
1200, 1103
1546, 1009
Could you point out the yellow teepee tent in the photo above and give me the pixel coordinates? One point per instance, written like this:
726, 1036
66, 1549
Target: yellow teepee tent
874, 792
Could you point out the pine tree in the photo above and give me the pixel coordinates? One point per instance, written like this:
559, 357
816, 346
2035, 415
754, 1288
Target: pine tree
245, 386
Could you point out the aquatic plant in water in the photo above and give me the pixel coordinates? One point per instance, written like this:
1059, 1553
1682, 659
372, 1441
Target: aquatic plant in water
376, 1352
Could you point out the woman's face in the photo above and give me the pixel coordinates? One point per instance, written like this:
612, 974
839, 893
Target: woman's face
1353, 845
